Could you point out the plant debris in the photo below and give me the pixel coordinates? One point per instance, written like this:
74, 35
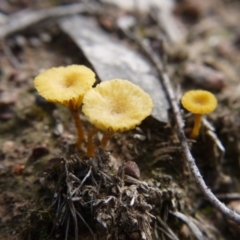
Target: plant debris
88, 196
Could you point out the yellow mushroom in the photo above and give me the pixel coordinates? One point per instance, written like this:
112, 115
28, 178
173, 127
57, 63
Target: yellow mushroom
67, 86
115, 106
198, 102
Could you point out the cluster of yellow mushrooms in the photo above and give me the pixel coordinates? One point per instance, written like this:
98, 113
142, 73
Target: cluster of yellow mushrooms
112, 106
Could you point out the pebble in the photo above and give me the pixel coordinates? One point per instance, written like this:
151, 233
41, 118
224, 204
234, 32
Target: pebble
184, 232
135, 236
20, 41
205, 77
58, 131
131, 168
190, 10
8, 146
126, 22
8, 98
38, 152
45, 37
18, 169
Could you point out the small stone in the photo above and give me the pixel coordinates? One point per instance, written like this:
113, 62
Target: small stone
58, 131
38, 152
131, 168
126, 22
18, 169
205, 77
20, 41
184, 232
8, 146
135, 236
8, 98
189, 10
45, 37
42, 181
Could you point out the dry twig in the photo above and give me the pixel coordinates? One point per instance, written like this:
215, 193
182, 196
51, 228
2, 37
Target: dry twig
228, 196
183, 140
179, 124
16, 23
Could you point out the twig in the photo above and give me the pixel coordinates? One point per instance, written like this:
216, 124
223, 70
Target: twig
228, 196
196, 231
14, 23
179, 124
183, 140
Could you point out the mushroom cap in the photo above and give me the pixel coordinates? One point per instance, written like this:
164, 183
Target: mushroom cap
116, 105
65, 85
199, 101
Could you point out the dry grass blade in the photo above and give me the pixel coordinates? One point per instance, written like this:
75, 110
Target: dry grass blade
74, 215
80, 216
67, 229
166, 230
228, 196
195, 230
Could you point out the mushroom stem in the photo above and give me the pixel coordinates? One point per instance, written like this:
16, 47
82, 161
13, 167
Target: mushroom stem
106, 136
90, 145
78, 124
196, 127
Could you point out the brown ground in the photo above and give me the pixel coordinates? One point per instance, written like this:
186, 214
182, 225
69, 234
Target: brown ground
37, 142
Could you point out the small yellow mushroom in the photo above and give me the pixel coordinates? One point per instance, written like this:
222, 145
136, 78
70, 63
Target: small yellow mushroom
67, 86
198, 102
115, 106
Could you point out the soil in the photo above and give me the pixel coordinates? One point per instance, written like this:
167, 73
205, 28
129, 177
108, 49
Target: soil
140, 186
